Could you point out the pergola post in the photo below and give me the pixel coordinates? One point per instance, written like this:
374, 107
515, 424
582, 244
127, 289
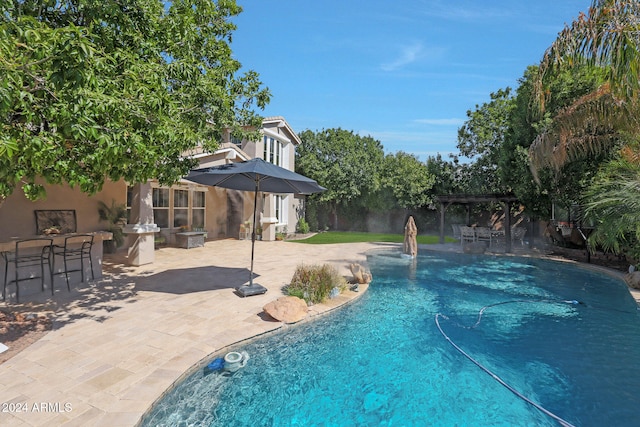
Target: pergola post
507, 226
442, 209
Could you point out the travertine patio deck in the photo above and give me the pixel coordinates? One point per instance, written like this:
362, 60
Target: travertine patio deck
118, 344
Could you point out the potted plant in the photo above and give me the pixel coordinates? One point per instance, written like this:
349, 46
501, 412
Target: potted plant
281, 234
116, 216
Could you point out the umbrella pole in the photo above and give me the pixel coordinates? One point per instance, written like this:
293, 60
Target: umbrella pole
252, 288
253, 232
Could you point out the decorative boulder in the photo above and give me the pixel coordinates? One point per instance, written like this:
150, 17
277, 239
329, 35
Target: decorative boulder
287, 309
633, 279
359, 274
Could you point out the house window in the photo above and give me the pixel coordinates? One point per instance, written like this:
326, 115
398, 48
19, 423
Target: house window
236, 141
266, 150
279, 202
198, 209
161, 207
180, 208
273, 151
129, 201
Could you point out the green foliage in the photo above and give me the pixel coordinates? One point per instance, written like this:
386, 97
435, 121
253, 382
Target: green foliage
360, 179
345, 163
348, 165
281, 234
613, 206
445, 173
407, 179
498, 135
314, 283
116, 216
119, 90
481, 138
605, 42
592, 71
331, 237
303, 227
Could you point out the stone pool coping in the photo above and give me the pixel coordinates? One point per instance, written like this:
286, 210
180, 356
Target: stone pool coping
315, 311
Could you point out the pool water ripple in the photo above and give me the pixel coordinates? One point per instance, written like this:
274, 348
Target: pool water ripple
382, 361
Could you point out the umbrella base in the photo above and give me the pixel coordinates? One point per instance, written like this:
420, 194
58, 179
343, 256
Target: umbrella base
252, 289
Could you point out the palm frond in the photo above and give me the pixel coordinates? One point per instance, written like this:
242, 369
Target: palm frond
613, 205
607, 37
591, 125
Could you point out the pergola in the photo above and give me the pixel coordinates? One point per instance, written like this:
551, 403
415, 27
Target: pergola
470, 199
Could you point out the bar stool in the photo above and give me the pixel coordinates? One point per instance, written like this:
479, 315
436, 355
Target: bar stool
28, 253
76, 247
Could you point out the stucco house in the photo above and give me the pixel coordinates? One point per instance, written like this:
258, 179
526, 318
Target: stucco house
226, 213
160, 213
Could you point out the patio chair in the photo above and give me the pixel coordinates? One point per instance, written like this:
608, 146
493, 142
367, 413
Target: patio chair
484, 234
456, 230
76, 248
517, 234
28, 253
467, 234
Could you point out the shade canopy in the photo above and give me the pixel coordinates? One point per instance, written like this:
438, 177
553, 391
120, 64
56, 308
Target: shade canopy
255, 175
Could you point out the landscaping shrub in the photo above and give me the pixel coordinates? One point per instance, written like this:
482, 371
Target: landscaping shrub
303, 227
313, 283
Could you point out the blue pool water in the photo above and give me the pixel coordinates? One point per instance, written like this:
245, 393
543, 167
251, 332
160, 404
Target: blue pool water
382, 361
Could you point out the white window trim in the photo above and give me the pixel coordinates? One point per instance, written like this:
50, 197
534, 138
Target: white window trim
283, 199
193, 208
277, 135
278, 146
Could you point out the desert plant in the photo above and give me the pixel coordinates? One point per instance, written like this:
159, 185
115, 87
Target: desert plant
116, 216
314, 283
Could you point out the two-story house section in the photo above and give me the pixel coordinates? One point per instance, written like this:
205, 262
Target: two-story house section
225, 213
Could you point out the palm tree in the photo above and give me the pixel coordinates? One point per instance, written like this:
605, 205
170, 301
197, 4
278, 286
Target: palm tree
608, 37
614, 204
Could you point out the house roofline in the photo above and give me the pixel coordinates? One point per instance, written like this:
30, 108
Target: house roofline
282, 123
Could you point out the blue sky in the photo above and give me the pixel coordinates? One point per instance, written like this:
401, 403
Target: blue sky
403, 72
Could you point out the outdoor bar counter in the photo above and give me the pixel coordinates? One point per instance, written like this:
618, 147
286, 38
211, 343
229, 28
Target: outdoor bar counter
33, 286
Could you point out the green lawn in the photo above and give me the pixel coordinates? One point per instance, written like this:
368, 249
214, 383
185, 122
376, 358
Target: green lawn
355, 237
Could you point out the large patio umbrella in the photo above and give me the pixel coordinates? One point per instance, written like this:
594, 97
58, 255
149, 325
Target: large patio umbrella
254, 175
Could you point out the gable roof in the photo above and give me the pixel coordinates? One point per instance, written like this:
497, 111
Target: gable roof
280, 123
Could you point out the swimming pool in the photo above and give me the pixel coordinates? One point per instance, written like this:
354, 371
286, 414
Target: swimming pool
382, 361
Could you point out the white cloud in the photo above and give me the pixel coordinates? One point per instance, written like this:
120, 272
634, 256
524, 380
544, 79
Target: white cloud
408, 55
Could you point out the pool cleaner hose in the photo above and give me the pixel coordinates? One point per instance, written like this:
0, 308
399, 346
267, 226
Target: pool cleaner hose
439, 316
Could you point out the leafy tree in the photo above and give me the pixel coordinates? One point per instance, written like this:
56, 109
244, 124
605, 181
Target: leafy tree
446, 174
564, 185
116, 89
407, 179
600, 122
348, 165
481, 138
